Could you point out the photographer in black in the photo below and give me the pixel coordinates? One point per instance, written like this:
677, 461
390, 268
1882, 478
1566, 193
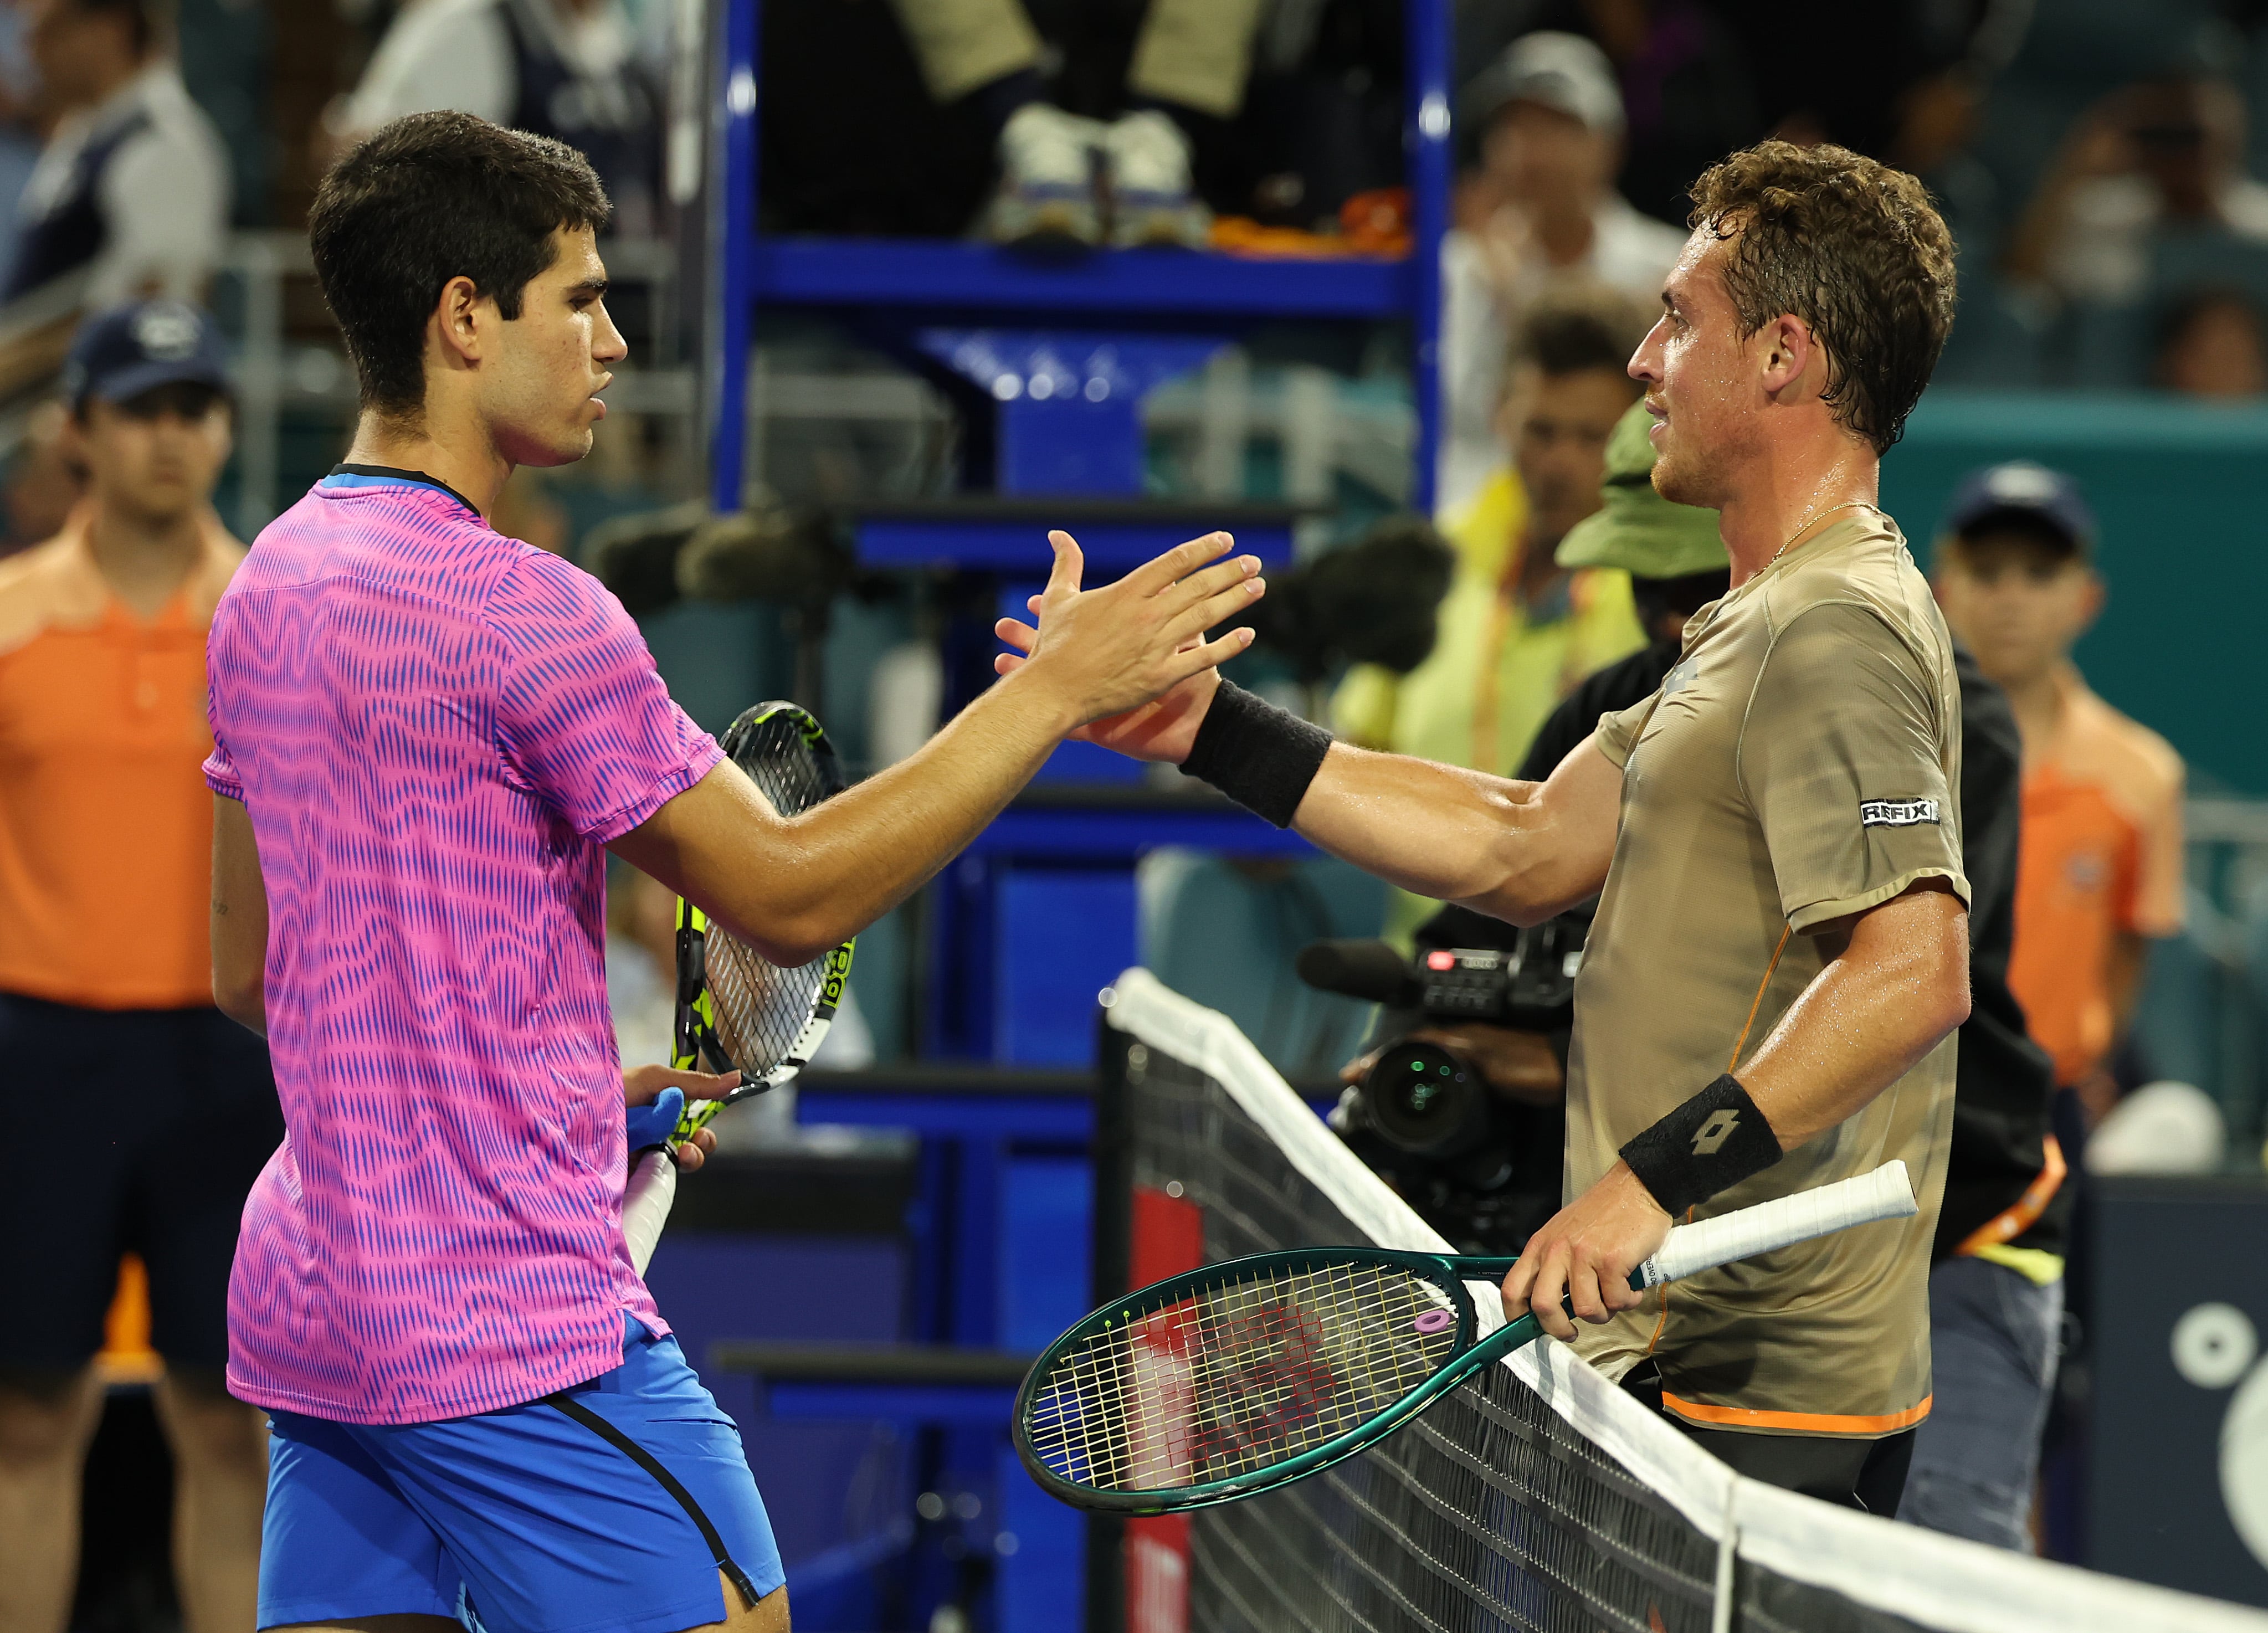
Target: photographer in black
1976, 1455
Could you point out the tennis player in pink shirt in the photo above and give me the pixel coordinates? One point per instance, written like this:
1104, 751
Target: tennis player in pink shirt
427, 735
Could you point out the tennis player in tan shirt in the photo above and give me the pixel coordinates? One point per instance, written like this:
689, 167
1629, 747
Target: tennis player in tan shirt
1781, 954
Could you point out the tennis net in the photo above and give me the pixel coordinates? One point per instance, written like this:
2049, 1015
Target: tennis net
1537, 1496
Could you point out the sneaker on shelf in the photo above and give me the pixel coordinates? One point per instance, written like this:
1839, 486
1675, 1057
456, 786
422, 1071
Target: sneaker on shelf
1152, 201
1047, 197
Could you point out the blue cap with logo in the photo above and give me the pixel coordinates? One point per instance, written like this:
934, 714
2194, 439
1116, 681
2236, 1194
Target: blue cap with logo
131, 349
2026, 495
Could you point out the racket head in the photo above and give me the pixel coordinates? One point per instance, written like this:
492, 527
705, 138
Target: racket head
736, 1009
1245, 1375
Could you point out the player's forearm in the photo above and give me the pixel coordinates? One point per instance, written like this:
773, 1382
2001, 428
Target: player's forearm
876, 844
1435, 829
1888, 999
246, 1005
793, 889
238, 925
1517, 850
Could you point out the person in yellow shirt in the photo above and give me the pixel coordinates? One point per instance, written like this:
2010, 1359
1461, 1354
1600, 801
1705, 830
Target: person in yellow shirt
106, 975
1517, 631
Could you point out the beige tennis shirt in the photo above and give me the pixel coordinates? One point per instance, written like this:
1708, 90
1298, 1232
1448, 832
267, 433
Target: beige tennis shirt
1801, 763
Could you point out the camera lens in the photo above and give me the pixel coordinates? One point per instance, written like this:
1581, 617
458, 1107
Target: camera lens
1426, 1100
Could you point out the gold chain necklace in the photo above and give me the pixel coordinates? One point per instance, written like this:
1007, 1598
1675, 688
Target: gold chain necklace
1808, 521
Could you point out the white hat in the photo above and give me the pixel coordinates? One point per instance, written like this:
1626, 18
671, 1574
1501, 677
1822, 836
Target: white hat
1559, 71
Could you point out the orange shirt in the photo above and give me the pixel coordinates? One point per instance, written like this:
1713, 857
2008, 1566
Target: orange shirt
106, 822
2101, 856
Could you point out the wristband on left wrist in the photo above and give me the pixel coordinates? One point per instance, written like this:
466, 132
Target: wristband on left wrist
1709, 1145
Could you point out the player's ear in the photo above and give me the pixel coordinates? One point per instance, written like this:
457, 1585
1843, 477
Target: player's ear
1786, 352
457, 321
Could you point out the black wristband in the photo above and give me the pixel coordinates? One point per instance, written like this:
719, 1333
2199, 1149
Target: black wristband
1709, 1143
1261, 756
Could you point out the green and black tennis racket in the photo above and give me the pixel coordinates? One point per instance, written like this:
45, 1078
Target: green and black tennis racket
1244, 1376
737, 1011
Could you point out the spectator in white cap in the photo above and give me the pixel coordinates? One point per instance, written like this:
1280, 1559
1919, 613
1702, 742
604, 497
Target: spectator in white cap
1538, 211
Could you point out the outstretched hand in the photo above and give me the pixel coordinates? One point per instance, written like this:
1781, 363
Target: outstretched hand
1584, 1254
1130, 661
643, 1086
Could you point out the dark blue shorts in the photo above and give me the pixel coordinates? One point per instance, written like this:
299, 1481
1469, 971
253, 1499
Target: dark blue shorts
169, 1116
553, 1517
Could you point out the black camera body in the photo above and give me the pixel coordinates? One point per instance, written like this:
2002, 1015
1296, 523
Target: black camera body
1482, 1168
1531, 986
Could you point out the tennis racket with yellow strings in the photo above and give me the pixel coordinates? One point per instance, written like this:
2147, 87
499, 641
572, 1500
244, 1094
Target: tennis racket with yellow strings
737, 1011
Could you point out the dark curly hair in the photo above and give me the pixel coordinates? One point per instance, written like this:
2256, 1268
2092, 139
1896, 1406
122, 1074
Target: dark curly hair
428, 198
1853, 247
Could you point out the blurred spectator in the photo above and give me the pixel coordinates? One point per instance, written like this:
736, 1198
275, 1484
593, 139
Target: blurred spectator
1909, 73
1517, 630
105, 974
1069, 180
1686, 86
20, 128
2156, 158
2211, 344
2101, 868
567, 69
44, 482
133, 184
1541, 211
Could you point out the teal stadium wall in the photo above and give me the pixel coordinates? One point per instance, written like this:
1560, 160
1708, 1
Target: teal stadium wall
2181, 491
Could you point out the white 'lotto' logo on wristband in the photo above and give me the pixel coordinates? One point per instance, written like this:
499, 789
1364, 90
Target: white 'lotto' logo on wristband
1712, 1135
1897, 812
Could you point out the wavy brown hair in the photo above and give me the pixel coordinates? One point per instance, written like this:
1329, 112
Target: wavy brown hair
1853, 247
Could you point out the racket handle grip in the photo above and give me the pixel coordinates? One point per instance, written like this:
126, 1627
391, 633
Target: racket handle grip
645, 1205
1885, 1193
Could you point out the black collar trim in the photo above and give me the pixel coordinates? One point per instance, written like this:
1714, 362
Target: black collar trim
402, 475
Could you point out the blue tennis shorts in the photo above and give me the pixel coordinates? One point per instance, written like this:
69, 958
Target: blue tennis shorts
610, 1505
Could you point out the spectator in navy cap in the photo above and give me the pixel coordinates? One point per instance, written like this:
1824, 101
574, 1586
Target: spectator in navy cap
2101, 872
105, 974
119, 356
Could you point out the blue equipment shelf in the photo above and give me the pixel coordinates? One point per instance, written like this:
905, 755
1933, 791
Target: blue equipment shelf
1073, 821
945, 276
983, 533
927, 1383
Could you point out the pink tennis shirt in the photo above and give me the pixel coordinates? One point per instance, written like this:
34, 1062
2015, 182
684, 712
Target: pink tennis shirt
436, 730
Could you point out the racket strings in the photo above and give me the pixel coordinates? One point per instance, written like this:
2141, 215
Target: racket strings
1241, 1377
759, 1010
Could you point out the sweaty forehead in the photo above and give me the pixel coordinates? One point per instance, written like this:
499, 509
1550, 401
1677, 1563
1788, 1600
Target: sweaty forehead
1693, 274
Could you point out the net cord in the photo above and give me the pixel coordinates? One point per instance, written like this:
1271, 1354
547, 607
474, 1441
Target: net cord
1940, 1583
